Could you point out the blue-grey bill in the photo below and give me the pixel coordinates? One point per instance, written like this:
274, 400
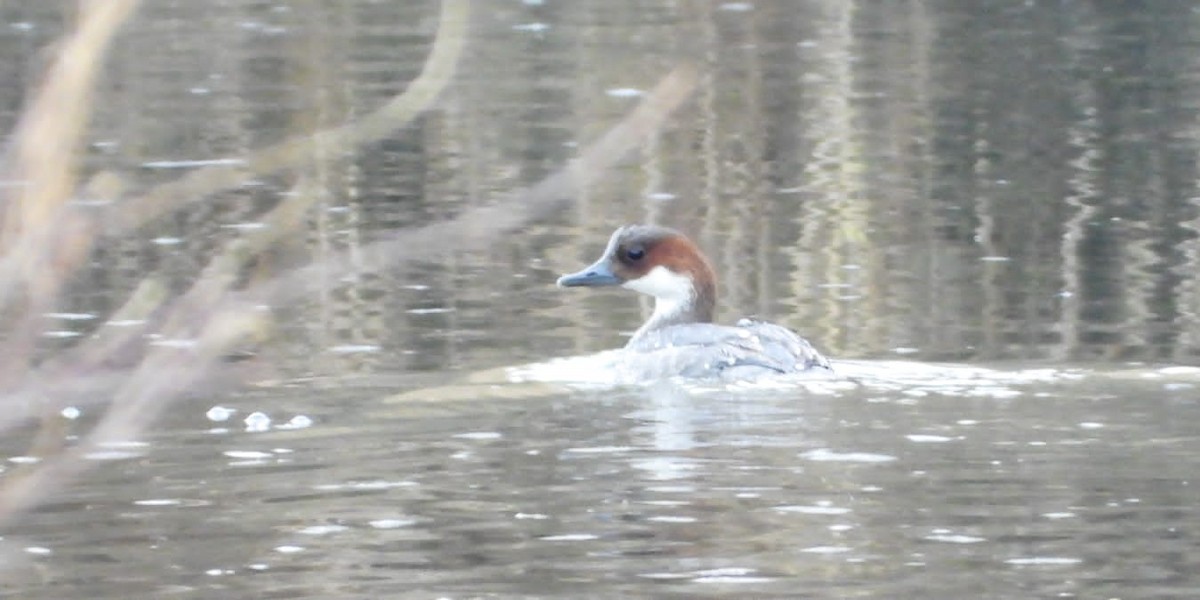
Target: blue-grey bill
596, 275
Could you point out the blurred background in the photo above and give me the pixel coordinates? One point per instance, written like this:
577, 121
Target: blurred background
950, 180
998, 183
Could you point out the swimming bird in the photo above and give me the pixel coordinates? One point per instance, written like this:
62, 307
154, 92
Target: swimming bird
680, 338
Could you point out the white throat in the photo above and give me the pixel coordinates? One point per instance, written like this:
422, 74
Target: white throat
674, 296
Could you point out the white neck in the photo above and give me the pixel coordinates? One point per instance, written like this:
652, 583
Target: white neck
674, 297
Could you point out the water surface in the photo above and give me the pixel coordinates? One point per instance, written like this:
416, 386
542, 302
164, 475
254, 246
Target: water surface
1008, 185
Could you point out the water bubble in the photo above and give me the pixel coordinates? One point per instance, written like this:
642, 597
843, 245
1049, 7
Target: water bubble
220, 413
257, 422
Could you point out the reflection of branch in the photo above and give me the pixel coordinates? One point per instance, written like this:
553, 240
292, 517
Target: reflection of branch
44, 242
42, 245
71, 235
196, 328
47, 140
479, 228
401, 110
165, 375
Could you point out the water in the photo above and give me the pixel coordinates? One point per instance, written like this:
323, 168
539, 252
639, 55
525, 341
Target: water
1081, 487
984, 211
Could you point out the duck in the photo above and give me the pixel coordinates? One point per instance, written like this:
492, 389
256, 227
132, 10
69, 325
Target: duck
680, 339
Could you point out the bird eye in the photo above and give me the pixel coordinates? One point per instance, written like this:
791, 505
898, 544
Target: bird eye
635, 253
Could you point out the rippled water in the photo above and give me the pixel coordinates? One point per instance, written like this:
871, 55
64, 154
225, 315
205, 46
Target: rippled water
1012, 483
1011, 185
